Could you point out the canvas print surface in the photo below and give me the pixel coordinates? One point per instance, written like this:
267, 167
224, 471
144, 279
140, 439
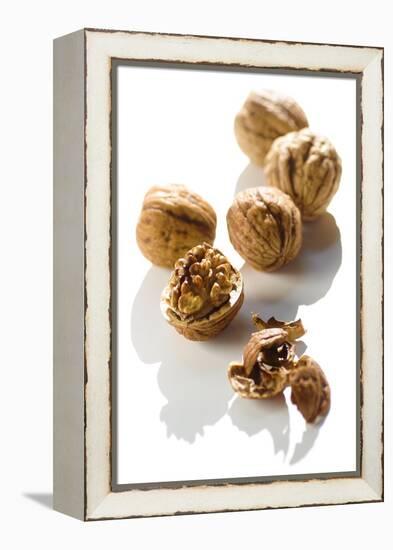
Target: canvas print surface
177, 415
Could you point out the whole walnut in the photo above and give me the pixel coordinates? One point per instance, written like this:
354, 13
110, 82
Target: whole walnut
306, 167
265, 116
310, 389
204, 293
265, 227
173, 220
268, 359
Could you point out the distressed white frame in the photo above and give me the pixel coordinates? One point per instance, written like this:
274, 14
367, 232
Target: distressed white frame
82, 334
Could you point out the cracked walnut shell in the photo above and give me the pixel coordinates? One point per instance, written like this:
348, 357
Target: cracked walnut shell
173, 220
265, 227
306, 167
265, 116
268, 358
204, 293
294, 329
310, 389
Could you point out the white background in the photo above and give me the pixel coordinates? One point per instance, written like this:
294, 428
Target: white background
174, 398
26, 355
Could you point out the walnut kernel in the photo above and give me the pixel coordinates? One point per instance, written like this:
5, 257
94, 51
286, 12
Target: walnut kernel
204, 293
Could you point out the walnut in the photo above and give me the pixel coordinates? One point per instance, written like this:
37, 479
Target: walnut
310, 389
173, 220
294, 329
265, 227
264, 117
204, 293
306, 167
268, 358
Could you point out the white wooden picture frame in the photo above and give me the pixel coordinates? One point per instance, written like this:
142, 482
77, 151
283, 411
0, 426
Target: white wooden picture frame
83, 298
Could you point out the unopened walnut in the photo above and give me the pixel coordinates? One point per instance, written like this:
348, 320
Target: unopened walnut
204, 293
306, 167
265, 227
310, 389
268, 358
173, 220
265, 116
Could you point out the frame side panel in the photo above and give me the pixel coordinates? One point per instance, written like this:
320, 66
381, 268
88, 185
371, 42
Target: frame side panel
372, 275
68, 254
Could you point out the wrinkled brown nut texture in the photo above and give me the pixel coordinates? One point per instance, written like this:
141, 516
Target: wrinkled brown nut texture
204, 293
310, 389
201, 282
265, 227
306, 167
265, 116
268, 358
173, 220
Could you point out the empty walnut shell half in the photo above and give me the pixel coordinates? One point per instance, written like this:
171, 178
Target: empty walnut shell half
310, 389
306, 167
265, 227
204, 293
265, 116
173, 220
268, 358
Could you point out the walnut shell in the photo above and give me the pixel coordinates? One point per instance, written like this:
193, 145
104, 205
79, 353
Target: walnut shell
265, 227
265, 116
173, 220
268, 358
294, 329
306, 167
310, 389
204, 293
